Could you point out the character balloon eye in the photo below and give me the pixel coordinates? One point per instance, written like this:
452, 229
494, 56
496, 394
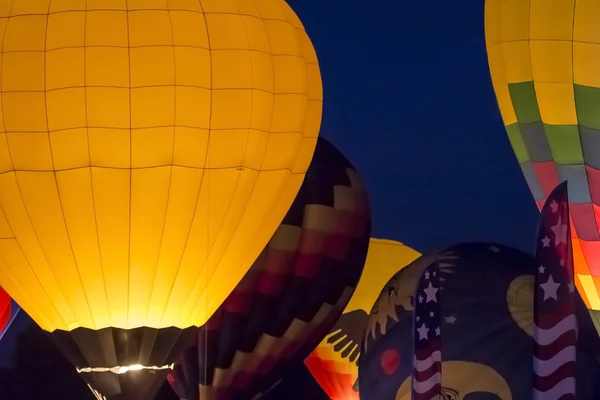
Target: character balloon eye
391, 292
375, 309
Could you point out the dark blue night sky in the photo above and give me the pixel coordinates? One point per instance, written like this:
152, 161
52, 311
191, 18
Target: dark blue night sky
409, 100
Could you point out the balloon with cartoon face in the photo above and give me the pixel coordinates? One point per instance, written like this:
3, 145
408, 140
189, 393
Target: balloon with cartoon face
334, 363
487, 323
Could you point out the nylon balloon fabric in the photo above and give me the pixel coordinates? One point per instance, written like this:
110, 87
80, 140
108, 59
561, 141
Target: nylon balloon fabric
543, 59
487, 327
148, 152
334, 363
293, 293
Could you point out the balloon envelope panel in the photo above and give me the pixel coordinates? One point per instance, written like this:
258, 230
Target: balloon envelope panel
292, 295
487, 322
543, 63
334, 363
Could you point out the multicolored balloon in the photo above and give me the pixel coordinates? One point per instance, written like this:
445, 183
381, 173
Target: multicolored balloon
543, 59
334, 363
487, 325
291, 296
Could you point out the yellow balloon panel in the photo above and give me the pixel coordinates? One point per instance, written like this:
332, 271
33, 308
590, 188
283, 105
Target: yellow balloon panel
148, 151
385, 258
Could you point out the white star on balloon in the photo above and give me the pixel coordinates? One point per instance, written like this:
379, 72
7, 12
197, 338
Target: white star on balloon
431, 293
437, 331
546, 241
560, 232
554, 206
423, 332
541, 269
451, 319
571, 287
426, 274
550, 288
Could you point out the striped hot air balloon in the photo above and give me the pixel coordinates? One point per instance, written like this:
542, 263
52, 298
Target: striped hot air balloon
293, 293
544, 57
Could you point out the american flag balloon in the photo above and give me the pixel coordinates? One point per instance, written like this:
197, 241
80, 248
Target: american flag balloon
555, 321
427, 345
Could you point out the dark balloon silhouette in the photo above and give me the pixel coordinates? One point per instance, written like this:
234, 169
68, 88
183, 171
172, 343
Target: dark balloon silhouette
39, 370
293, 293
487, 325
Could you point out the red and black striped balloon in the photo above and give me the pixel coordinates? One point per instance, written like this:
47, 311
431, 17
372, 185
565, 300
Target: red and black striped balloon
291, 296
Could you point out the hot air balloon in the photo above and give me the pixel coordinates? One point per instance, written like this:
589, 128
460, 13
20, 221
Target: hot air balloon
334, 363
291, 296
543, 63
148, 151
487, 311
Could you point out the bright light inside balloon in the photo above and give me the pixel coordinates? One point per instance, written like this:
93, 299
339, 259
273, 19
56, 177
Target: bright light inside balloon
135, 367
124, 369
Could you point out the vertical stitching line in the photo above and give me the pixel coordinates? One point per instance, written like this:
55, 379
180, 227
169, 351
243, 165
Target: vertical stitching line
40, 315
171, 167
127, 11
54, 168
38, 240
91, 175
203, 170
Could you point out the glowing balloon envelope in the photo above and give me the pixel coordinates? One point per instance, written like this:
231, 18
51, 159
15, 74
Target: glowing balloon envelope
543, 59
148, 151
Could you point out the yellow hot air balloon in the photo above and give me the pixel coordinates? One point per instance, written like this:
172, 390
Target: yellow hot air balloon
148, 151
334, 363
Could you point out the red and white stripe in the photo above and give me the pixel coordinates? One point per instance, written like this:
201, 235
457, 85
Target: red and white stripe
555, 355
555, 321
427, 379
